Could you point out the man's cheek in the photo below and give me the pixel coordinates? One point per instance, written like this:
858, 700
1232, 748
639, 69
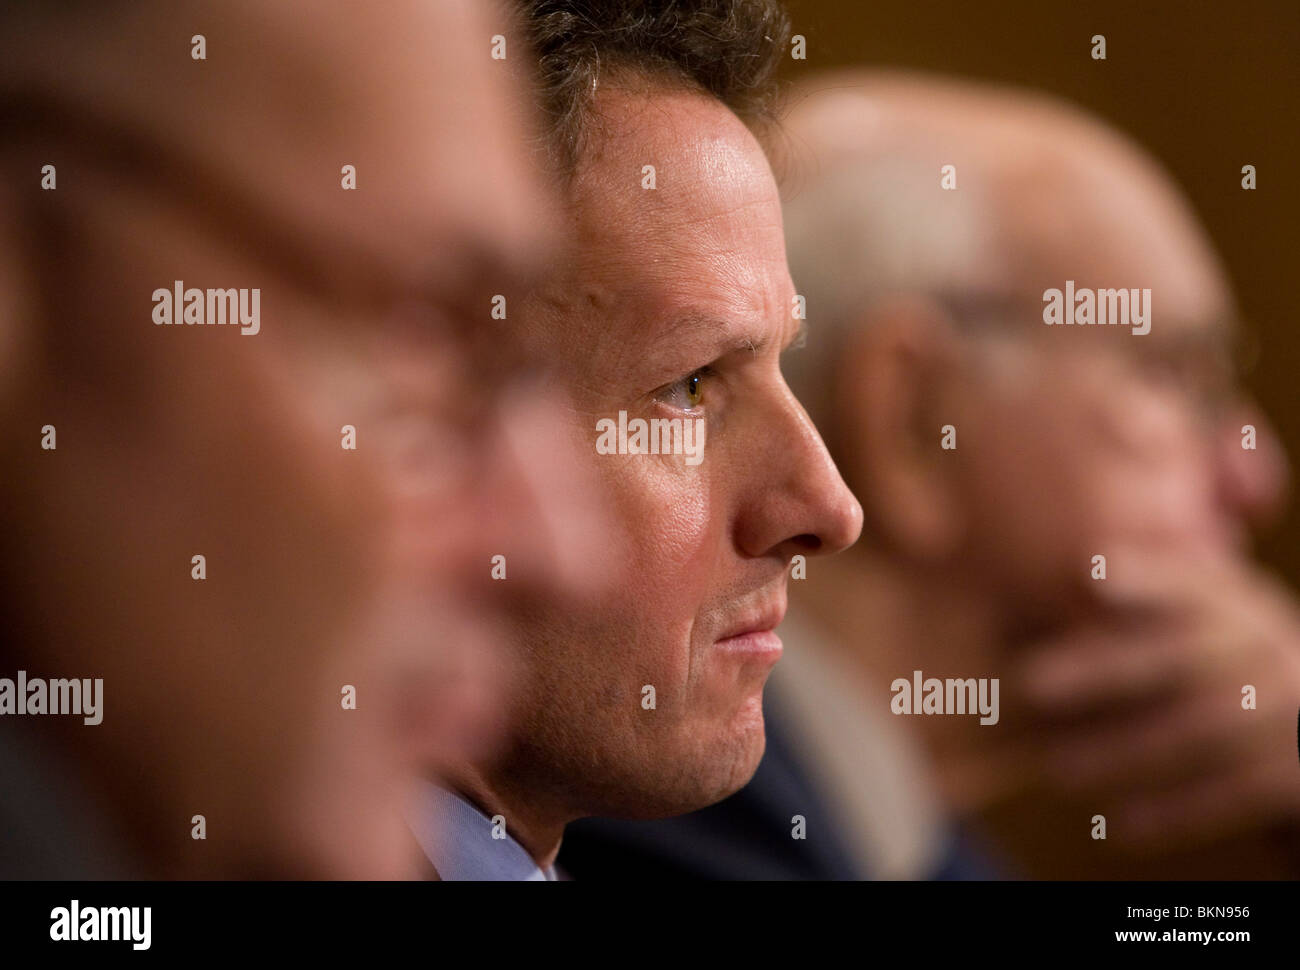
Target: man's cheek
661, 666
672, 524
1160, 501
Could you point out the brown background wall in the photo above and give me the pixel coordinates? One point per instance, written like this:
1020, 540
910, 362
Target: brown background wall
1207, 87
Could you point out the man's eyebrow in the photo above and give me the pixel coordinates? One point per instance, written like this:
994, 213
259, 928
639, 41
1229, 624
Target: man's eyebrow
725, 336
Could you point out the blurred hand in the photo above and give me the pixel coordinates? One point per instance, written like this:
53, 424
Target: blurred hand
1142, 710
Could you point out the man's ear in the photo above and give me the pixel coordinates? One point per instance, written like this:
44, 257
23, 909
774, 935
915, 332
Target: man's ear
893, 379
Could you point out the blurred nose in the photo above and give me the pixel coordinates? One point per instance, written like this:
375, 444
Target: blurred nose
497, 514
538, 504
493, 503
798, 499
1251, 481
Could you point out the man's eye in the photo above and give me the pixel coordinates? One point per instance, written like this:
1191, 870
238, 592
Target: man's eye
694, 391
688, 393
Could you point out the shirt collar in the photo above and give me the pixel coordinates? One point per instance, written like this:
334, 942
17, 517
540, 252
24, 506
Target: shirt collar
463, 844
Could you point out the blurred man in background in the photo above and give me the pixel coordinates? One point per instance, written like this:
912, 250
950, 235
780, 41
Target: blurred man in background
264, 707
997, 457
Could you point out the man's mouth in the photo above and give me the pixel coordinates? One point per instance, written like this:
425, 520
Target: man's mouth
754, 632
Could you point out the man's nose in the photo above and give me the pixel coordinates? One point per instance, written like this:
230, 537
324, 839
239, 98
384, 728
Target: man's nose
798, 497
1252, 470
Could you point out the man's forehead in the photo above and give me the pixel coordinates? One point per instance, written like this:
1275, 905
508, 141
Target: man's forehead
667, 158
434, 142
676, 215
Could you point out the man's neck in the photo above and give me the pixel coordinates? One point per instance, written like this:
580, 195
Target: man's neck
537, 831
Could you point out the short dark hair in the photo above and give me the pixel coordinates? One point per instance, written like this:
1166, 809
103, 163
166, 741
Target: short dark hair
730, 49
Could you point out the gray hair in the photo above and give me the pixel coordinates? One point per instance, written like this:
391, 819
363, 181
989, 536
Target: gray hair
866, 219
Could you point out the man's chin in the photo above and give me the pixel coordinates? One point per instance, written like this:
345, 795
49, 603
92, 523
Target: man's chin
752, 742
727, 767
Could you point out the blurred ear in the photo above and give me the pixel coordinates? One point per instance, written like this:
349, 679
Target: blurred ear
894, 375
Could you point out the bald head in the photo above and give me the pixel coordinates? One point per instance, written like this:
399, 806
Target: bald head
927, 220
1044, 193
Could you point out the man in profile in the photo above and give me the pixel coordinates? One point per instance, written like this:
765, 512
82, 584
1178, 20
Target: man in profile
674, 306
271, 543
1064, 507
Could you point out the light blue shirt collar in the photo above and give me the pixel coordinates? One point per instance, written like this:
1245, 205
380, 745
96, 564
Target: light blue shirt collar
458, 839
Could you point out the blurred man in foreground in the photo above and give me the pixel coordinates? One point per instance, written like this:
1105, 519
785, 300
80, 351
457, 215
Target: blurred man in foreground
997, 458
268, 545
665, 327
